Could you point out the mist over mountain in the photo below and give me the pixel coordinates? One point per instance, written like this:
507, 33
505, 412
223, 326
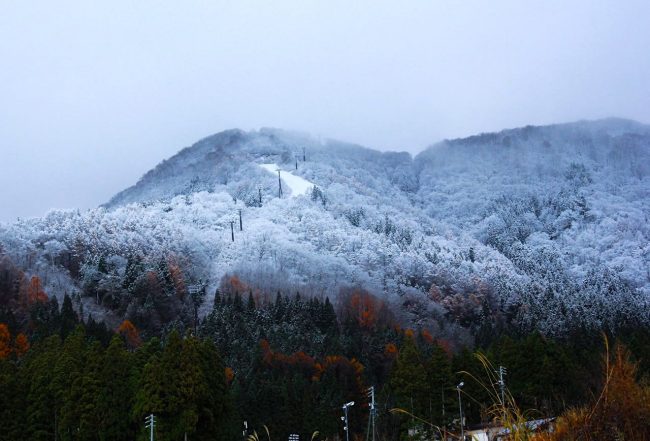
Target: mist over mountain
532, 228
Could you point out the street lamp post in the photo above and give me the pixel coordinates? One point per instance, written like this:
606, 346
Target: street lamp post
460, 411
347, 424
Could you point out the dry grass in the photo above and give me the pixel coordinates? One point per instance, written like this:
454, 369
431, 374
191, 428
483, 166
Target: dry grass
620, 412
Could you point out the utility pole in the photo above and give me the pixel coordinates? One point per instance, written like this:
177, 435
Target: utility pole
150, 423
460, 411
232, 230
502, 386
345, 419
259, 189
279, 185
373, 412
241, 227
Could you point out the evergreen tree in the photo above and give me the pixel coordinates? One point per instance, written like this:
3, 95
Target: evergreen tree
11, 402
150, 397
67, 384
37, 379
68, 317
238, 304
250, 304
440, 379
45, 318
409, 380
91, 388
192, 386
116, 395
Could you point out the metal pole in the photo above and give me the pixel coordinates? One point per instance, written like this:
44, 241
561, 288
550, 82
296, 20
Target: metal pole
279, 185
241, 227
259, 189
150, 422
347, 425
502, 385
232, 230
460, 410
372, 410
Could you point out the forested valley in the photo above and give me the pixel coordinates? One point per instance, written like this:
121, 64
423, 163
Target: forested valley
286, 362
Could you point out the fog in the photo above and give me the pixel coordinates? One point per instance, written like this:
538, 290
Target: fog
92, 96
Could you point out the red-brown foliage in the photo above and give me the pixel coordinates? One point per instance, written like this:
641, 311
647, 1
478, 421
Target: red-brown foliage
21, 345
427, 337
230, 375
177, 276
620, 411
390, 350
130, 334
35, 291
367, 310
5, 341
446, 346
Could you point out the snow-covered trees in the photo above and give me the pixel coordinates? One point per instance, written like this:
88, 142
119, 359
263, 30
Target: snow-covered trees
531, 215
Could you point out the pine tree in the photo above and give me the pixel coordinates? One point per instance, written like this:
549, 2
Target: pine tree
150, 397
409, 381
91, 387
68, 317
238, 304
116, 395
45, 319
440, 379
37, 379
11, 402
192, 386
215, 404
250, 305
66, 383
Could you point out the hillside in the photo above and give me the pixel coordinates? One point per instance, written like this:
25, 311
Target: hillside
532, 228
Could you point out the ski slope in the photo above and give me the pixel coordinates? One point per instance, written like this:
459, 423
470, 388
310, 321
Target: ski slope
297, 185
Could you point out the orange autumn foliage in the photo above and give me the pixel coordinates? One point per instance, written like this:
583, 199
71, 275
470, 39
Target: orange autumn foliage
341, 367
336, 365
21, 345
130, 334
230, 375
5, 341
365, 308
446, 346
177, 276
620, 411
427, 337
237, 284
35, 291
390, 350
276, 360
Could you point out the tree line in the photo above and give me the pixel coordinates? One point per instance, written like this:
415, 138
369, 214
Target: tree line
288, 363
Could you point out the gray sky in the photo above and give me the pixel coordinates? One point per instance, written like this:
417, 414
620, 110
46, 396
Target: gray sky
93, 95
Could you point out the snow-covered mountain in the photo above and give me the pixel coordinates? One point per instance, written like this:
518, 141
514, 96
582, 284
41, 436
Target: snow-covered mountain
537, 227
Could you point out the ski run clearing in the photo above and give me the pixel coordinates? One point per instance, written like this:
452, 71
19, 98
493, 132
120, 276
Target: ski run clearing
297, 185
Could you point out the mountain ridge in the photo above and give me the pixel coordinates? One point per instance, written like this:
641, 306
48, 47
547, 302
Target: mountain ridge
526, 228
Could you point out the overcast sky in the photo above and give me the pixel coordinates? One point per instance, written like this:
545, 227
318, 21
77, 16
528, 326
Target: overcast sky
93, 95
